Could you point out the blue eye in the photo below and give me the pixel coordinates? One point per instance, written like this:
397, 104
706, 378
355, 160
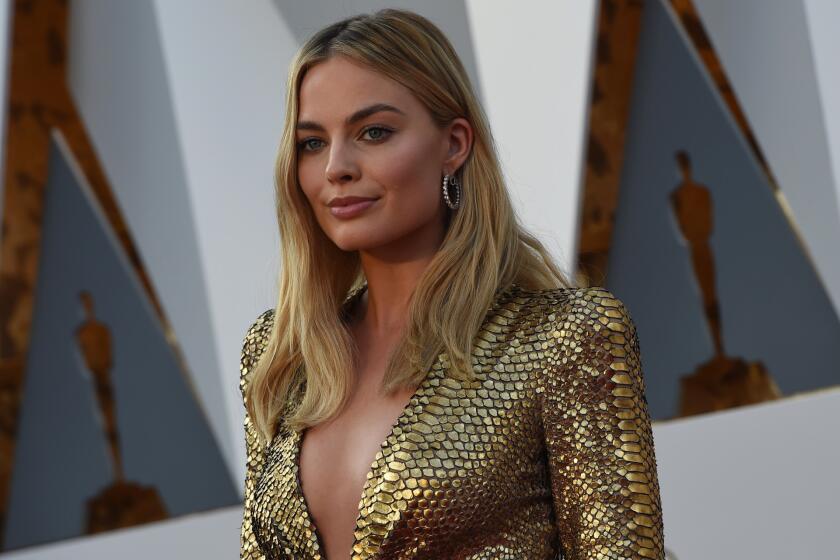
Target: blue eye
381, 135
306, 146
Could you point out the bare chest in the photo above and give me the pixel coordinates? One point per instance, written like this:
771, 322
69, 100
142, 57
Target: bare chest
336, 459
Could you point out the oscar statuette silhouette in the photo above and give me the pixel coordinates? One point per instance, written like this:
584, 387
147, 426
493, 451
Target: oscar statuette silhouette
724, 381
121, 503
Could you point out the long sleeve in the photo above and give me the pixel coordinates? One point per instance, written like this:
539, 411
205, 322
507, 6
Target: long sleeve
252, 348
598, 434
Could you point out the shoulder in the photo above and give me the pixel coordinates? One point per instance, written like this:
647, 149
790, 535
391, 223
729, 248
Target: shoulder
591, 345
253, 346
599, 308
578, 317
595, 305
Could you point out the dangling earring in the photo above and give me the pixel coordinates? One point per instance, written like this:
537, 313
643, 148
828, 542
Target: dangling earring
451, 180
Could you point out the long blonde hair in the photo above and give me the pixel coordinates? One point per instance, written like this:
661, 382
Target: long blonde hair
485, 249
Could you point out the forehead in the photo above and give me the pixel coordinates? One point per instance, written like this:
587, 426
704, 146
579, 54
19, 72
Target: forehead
338, 86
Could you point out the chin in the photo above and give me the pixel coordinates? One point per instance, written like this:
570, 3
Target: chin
348, 247
352, 242
354, 236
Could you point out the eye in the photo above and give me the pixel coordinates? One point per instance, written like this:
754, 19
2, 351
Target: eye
306, 145
377, 133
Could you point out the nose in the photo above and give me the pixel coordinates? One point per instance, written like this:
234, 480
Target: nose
342, 166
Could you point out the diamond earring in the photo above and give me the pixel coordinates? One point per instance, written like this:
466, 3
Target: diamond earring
447, 181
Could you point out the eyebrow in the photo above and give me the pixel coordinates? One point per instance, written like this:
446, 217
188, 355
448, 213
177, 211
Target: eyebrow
355, 117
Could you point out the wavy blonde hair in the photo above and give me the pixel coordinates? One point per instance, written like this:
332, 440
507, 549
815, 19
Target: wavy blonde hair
485, 249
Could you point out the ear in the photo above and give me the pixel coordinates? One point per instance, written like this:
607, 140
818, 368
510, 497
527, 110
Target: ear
459, 139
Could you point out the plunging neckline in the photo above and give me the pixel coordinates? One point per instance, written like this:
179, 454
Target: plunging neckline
375, 466
413, 402
297, 446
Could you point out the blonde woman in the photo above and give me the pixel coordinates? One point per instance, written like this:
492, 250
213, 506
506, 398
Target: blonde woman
429, 385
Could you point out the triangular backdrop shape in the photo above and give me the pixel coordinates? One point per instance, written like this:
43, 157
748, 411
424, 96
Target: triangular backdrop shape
773, 306
62, 455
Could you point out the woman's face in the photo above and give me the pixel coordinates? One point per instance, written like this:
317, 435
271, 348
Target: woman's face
371, 160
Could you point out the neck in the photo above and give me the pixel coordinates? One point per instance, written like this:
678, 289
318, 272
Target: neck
392, 274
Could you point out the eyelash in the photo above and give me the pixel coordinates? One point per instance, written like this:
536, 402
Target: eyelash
303, 143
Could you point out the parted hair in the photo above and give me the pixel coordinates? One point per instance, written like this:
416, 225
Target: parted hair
310, 354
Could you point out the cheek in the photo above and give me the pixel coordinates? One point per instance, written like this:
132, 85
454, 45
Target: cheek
310, 184
410, 178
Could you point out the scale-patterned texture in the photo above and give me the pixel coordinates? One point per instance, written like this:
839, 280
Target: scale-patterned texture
548, 450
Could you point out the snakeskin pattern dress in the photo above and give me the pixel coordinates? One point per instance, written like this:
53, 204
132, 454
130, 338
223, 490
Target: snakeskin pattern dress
548, 451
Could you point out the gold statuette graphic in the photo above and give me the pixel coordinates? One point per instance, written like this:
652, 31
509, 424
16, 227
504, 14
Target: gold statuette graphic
722, 382
121, 503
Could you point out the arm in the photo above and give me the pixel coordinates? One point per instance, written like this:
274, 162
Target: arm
252, 348
598, 434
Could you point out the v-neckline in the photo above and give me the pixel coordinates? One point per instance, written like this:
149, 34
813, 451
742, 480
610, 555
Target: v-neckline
375, 466
371, 474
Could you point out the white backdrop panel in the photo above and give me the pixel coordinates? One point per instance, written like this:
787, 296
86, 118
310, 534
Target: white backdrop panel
535, 65
823, 16
212, 535
757, 483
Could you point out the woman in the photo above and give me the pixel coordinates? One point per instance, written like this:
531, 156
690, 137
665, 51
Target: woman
429, 385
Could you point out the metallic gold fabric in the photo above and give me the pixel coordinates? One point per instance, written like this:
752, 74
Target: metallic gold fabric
548, 450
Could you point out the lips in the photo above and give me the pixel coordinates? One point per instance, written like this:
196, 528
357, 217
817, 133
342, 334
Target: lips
350, 206
348, 200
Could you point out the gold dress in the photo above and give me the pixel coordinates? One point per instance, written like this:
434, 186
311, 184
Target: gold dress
548, 450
